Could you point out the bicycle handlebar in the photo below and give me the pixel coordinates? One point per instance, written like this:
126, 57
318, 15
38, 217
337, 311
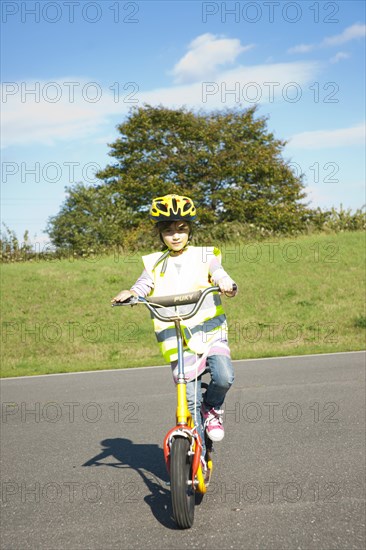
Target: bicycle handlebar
154, 302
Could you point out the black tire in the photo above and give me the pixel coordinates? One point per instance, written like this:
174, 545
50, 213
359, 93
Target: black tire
183, 496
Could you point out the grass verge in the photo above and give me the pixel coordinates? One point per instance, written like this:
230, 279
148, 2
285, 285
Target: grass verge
296, 296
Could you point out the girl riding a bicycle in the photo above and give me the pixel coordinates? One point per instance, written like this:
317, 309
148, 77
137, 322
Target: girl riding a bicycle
183, 268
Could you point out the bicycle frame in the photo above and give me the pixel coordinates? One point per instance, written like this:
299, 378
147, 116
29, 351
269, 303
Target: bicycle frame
184, 422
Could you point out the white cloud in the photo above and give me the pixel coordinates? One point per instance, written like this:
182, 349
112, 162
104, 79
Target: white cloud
350, 33
80, 110
244, 85
31, 122
205, 54
302, 48
338, 56
326, 139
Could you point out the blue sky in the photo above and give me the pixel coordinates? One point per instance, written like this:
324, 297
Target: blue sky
71, 70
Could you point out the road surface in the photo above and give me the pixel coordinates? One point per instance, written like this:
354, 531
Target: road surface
82, 463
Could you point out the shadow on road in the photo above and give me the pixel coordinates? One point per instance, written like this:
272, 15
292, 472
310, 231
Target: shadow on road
148, 461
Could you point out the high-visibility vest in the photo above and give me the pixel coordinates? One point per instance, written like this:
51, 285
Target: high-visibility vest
209, 324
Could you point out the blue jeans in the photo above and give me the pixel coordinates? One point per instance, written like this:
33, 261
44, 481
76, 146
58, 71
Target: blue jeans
222, 376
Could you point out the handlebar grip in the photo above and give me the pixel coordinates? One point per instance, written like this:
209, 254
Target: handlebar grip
131, 301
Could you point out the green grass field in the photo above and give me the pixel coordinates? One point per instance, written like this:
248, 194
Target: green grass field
296, 297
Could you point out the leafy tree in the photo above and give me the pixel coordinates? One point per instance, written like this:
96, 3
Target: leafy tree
90, 218
227, 161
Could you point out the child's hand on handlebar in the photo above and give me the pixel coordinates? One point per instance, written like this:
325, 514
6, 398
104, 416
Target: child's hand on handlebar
123, 296
227, 286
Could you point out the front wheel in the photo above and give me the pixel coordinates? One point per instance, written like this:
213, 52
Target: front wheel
182, 492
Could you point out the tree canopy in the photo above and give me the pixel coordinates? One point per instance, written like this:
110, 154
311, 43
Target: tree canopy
226, 161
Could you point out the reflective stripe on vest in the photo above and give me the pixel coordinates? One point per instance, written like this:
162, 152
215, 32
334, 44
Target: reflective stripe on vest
209, 324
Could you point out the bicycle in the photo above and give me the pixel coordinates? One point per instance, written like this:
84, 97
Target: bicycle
182, 444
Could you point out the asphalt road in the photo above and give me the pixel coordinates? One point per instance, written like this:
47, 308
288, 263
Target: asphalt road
82, 463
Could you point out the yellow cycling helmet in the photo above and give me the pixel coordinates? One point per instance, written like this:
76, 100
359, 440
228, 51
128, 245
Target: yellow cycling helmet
172, 208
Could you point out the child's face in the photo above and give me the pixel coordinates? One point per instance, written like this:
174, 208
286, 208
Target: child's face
175, 236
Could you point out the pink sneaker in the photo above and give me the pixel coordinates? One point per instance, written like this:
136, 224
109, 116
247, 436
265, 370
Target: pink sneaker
212, 422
